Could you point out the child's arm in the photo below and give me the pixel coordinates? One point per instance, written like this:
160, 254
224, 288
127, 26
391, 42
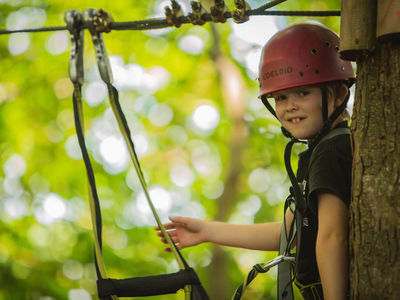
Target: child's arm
188, 232
332, 247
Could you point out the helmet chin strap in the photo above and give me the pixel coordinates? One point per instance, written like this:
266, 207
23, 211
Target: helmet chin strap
328, 121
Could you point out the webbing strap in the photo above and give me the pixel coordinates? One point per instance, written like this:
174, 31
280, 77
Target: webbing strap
106, 75
95, 211
110, 289
285, 271
124, 128
333, 133
284, 287
148, 285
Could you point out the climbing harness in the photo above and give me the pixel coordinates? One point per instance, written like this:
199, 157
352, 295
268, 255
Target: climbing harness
286, 261
109, 288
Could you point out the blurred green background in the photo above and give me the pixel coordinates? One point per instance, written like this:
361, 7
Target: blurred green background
207, 146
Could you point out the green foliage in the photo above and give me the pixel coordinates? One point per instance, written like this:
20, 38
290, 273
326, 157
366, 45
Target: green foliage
44, 257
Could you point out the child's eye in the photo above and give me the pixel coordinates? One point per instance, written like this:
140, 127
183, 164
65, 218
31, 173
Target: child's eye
303, 93
280, 98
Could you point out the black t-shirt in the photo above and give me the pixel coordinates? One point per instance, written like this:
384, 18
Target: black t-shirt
330, 169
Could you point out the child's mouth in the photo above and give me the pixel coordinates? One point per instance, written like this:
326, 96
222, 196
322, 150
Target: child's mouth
296, 120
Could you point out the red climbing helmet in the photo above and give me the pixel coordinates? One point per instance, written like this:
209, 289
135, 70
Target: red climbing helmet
302, 54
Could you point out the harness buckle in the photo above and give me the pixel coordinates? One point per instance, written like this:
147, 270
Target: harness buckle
89, 17
74, 21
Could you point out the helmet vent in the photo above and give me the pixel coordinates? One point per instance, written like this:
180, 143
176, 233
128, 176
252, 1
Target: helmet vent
314, 51
301, 74
342, 68
316, 71
337, 48
307, 66
327, 44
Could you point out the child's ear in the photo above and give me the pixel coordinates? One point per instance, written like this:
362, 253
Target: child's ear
341, 94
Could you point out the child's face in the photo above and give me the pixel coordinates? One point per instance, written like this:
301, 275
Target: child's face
299, 110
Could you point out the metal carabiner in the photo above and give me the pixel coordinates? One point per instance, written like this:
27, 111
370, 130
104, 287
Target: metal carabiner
73, 18
277, 260
89, 16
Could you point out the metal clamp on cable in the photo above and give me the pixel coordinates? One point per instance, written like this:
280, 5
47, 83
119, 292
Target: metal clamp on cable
89, 16
240, 13
74, 21
174, 14
196, 16
220, 11
102, 21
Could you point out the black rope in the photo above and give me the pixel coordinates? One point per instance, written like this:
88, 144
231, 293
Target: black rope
269, 5
329, 13
162, 23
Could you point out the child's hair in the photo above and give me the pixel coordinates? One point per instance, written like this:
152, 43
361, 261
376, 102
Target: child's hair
333, 88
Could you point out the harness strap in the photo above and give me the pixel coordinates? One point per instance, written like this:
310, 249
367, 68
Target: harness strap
311, 291
110, 289
285, 271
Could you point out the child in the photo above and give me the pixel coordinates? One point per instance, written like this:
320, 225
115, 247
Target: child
301, 70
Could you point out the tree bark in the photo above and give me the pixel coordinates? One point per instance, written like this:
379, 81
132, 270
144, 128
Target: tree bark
375, 206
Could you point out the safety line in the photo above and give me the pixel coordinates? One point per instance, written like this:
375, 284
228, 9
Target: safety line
157, 23
93, 197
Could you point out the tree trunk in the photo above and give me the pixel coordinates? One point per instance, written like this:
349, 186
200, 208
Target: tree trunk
233, 95
375, 207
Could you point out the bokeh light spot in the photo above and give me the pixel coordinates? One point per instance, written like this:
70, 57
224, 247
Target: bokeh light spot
18, 43
79, 294
181, 175
206, 117
15, 166
258, 180
95, 93
73, 269
57, 43
191, 44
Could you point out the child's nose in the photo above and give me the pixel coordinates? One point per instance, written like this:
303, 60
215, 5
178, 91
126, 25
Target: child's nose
291, 103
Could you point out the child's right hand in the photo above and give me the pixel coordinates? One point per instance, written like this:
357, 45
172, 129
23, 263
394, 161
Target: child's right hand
185, 232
